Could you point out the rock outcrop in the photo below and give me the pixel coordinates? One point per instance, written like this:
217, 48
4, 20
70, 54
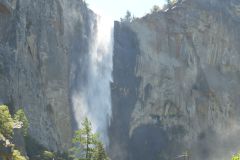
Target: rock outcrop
38, 44
176, 76
176, 83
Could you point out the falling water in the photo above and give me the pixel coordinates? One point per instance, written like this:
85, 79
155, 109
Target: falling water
94, 100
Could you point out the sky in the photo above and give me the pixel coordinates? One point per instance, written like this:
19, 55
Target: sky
115, 9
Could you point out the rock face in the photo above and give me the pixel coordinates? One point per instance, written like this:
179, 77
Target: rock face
39, 41
176, 83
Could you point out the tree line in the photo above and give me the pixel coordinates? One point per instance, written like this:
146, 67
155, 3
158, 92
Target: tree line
8, 123
86, 144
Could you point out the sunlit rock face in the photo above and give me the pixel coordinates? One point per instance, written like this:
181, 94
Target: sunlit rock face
38, 42
176, 83
56, 63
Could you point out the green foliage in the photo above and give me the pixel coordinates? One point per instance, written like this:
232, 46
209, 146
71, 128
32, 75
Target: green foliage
85, 140
17, 155
47, 155
128, 17
99, 152
170, 3
87, 144
36, 151
21, 117
63, 156
6, 122
236, 157
155, 9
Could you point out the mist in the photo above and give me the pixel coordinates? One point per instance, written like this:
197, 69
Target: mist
93, 99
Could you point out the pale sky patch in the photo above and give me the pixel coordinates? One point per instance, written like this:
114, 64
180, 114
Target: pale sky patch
116, 9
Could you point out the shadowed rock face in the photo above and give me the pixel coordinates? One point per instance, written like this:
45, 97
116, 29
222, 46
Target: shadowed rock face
124, 91
185, 68
152, 142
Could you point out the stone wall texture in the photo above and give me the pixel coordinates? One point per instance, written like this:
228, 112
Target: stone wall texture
176, 83
39, 42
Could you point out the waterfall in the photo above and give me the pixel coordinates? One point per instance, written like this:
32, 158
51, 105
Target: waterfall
93, 100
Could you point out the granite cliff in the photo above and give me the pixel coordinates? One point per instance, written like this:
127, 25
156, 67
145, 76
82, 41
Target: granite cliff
176, 83
176, 76
40, 45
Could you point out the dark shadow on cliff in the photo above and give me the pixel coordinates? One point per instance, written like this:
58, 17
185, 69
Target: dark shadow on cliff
123, 89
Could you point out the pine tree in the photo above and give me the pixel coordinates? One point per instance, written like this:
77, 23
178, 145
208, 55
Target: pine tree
100, 153
169, 2
155, 9
127, 18
84, 141
87, 145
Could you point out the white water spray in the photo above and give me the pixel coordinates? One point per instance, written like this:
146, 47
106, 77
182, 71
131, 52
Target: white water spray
94, 100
